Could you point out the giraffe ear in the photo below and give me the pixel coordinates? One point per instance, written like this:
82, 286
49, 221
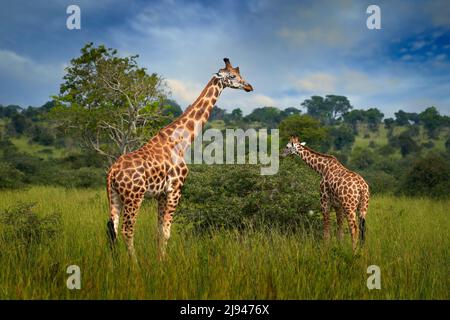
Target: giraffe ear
303, 143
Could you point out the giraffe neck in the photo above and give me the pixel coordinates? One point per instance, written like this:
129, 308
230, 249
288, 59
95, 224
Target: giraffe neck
183, 130
317, 161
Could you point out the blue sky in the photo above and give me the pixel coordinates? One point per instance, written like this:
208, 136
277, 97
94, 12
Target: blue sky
288, 50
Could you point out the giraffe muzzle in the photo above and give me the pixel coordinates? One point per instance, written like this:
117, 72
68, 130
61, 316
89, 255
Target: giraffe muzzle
248, 87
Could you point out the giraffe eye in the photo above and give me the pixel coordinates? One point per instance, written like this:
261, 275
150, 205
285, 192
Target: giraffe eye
232, 76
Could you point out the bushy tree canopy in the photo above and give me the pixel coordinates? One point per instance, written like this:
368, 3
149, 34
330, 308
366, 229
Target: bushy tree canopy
328, 109
305, 127
110, 103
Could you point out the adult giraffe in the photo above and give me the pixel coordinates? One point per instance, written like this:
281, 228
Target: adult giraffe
158, 167
344, 190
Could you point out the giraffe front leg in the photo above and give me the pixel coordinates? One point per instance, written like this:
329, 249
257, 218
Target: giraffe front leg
160, 232
167, 207
325, 206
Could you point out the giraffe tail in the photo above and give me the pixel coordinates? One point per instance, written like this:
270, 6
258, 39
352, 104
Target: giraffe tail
364, 202
362, 229
114, 212
111, 232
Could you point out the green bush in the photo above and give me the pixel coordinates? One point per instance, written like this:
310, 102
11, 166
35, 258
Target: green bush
380, 181
85, 177
238, 197
362, 159
429, 176
22, 226
10, 177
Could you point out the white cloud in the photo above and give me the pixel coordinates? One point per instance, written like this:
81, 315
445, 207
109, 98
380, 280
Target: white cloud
317, 83
25, 69
303, 38
184, 92
348, 82
246, 101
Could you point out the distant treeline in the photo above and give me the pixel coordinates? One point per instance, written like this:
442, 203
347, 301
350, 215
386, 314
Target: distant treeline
407, 154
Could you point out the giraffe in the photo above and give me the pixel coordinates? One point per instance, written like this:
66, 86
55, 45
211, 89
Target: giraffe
158, 168
340, 188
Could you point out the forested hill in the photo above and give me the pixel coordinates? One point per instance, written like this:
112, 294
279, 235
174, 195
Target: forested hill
394, 154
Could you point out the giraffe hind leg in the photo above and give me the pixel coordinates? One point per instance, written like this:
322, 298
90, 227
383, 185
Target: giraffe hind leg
353, 227
131, 209
339, 220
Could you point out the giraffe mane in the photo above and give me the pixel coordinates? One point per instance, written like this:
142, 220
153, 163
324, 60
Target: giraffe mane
319, 153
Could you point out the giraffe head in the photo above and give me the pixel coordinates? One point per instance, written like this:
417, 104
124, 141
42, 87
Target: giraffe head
231, 77
293, 146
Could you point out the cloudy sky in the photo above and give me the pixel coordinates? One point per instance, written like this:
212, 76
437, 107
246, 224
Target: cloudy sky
288, 50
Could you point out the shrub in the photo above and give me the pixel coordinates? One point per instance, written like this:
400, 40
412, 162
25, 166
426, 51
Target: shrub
343, 136
372, 144
386, 150
81, 178
86, 158
88, 178
237, 197
10, 177
429, 176
362, 159
21, 225
380, 181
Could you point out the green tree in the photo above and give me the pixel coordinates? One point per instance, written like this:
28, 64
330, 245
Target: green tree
373, 117
19, 124
362, 159
343, 136
110, 103
270, 116
353, 118
329, 109
432, 121
407, 144
236, 115
218, 113
389, 124
305, 127
401, 118
290, 112
9, 111
171, 108
429, 176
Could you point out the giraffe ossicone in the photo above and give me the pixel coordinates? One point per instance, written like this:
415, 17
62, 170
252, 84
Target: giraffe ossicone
158, 167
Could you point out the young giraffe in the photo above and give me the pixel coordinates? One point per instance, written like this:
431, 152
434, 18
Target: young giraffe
344, 190
158, 167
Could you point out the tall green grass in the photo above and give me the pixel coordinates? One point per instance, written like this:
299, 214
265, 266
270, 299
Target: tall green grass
407, 238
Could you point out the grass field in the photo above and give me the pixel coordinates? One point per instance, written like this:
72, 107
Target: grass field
407, 238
